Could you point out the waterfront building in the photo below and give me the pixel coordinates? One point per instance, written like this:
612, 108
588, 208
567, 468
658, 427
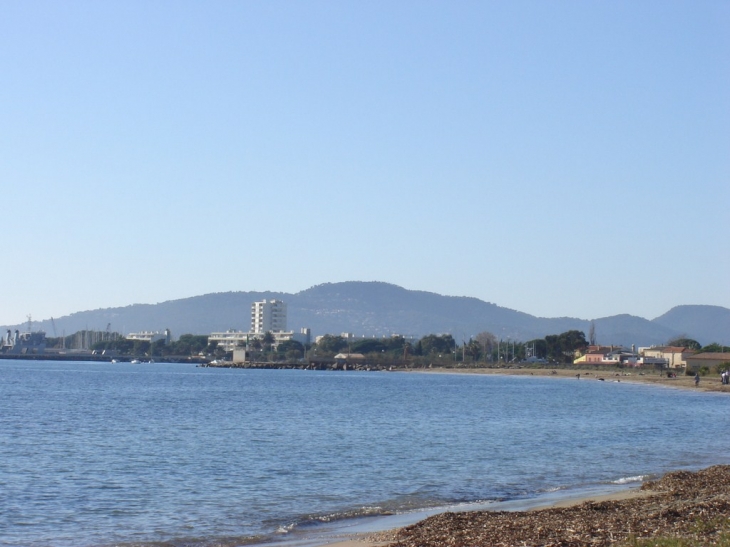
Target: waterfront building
676, 357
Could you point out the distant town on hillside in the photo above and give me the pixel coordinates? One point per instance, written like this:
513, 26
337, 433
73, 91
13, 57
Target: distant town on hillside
375, 309
269, 343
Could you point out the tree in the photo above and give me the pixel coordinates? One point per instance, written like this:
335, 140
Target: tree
571, 342
684, 342
407, 349
369, 345
140, 347
331, 344
418, 349
157, 348
553, 351
123, 346
255, 344
434, 344
291, 349
189, 344
487, 341
563, 347
268, 340
395, 343
212, 348
714, 348
473, 349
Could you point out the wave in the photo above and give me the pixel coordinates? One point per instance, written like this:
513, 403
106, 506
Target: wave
629, 480
553, 489
401, 505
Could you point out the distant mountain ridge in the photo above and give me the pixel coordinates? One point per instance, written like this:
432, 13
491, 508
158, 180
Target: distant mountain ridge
378, 309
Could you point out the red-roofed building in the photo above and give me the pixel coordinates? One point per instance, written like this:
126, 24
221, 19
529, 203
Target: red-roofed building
708, 359
675, 356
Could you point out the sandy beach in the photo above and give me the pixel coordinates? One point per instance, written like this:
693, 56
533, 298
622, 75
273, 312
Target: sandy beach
692, 506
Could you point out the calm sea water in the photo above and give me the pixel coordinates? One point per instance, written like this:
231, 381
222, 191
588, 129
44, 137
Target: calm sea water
107, 454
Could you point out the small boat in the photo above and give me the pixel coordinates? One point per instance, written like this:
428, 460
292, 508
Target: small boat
136, 361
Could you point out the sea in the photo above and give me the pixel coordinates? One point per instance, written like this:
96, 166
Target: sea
174, 455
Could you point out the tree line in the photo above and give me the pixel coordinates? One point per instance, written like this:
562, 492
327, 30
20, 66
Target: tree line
485, 347
185, 346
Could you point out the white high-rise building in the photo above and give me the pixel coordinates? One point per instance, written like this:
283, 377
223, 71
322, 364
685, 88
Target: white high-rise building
268, 316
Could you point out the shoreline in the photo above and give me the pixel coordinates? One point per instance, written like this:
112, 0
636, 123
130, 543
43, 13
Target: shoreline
634, 376
693, 506
625, 500
381, 530
385, 538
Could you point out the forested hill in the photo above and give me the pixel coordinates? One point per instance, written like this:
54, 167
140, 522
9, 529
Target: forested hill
712, 321
374, 308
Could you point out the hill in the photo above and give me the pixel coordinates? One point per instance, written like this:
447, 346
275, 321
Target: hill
711, 323
382, 309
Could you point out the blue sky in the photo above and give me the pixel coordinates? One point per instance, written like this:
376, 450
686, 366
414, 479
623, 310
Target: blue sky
560, 158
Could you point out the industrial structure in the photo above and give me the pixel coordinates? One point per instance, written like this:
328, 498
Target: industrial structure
23, 343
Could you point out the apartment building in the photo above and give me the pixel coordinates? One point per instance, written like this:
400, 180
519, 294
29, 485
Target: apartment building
268, 316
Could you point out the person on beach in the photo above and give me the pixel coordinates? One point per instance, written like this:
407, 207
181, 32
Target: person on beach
697, 379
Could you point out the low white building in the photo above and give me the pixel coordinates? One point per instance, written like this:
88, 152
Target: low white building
151, 336
232, 339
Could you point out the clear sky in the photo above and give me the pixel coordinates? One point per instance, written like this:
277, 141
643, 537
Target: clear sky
561, 158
